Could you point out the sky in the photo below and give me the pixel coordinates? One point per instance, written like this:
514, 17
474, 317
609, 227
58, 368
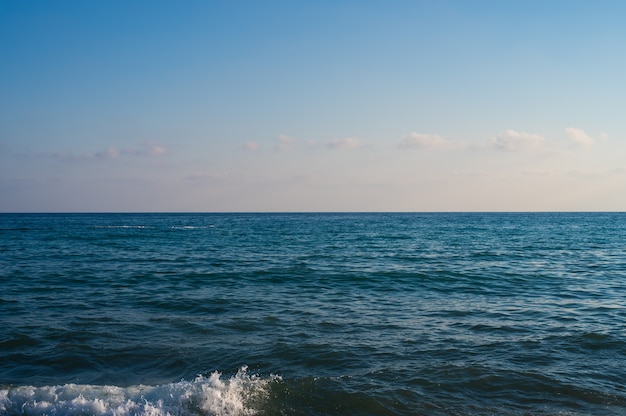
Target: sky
283, 106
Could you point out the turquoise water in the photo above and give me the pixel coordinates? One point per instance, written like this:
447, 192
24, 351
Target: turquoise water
313, 314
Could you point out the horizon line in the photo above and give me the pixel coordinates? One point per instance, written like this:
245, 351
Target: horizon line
313, 212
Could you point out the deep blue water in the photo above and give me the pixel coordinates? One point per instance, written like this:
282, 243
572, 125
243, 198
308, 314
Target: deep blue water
313, 314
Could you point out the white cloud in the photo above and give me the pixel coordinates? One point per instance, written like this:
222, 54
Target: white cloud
512, 140
157, 150
423, 141
580, 137
348, 143
285, 142
251, 146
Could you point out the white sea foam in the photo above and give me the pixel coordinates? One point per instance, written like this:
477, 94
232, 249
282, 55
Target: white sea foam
190, 227
203, 396
122, 226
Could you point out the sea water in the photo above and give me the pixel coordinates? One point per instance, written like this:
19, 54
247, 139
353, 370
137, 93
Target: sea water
313, 314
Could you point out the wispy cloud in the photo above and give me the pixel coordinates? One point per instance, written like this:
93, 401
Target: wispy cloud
580, 137
157, 150
285, 142
112, 153
423, 141
513, 141
141, 150
348, 143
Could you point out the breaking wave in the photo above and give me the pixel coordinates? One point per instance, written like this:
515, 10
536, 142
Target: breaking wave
241, 394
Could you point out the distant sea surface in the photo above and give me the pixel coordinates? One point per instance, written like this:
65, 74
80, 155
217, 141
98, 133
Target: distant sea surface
313, 314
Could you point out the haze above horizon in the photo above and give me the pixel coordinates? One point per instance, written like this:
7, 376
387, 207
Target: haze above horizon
327, 106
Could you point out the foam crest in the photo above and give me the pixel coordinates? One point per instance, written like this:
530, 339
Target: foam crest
123, 226
191, 227
203, 396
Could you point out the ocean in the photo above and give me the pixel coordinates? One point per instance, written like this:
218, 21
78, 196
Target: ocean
313, 314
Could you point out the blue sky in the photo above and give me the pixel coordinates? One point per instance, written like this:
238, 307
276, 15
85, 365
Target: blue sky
312, 106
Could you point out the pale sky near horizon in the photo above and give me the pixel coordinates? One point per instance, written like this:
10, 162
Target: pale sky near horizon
312, 106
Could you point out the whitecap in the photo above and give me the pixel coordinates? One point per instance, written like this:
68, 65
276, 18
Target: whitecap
210, 395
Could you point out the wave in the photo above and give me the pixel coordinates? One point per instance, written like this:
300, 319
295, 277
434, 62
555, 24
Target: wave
122, 226
191, 227
173, 227
241, 394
